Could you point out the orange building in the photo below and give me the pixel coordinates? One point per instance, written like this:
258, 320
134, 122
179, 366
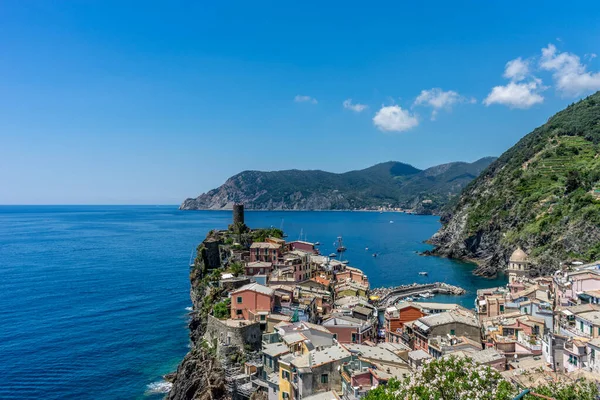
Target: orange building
252, 302
395, 317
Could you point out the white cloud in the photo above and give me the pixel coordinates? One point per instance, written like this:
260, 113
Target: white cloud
394, 119
305, 99
569, 73
354, 107
516, 70
438, 99
516, 95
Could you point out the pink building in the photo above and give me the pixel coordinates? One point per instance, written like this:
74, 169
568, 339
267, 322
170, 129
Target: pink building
569, 286
303, 246
265, 251
252, 302
258, 268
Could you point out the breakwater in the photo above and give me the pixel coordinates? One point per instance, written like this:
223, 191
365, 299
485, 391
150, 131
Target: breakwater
389, 296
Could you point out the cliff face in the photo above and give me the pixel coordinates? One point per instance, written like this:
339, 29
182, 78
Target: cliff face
541, 194
388, 184
200, 375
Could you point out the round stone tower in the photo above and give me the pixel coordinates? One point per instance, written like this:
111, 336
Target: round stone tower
238, 213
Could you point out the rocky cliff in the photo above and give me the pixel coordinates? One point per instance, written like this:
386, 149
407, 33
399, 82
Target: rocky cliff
388, 184
542, 194
200, 375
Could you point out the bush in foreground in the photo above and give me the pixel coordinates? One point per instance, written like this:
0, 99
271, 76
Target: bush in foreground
455, 378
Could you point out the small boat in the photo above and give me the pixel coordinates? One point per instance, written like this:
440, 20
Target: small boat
374, 254
345, 262
317, 243
426, 295
409, 299
333, 255
391, 222
341, 248
423, 273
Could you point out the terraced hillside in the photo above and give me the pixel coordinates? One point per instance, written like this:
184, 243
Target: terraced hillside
541, 194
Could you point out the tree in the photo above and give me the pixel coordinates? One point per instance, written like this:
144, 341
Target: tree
236, 268
461, 378
573, 181
221, 309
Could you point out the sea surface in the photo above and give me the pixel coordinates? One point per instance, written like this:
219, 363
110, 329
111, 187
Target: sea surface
94, 299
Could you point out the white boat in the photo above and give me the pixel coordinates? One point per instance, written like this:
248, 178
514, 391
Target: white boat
409, 299
391, 222
423, 273
426, 295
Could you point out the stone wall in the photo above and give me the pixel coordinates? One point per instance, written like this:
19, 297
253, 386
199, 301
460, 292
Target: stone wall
234, 333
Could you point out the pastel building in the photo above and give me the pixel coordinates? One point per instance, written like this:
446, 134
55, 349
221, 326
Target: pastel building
252, 302
265, 251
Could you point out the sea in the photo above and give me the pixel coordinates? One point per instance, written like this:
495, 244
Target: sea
94, 300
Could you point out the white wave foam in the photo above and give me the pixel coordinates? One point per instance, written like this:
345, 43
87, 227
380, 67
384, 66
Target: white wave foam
189, 309
159, 387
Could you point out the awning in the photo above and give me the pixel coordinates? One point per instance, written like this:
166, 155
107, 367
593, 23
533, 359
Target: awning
421, 325
482, 302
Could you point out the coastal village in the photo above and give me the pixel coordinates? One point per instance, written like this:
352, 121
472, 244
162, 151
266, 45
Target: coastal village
287, 322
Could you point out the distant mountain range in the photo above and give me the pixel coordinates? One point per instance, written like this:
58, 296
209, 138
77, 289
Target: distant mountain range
389, 184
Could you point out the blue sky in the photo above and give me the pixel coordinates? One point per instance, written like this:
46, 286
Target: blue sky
152, 102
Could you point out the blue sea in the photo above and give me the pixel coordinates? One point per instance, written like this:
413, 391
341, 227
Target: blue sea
94, 300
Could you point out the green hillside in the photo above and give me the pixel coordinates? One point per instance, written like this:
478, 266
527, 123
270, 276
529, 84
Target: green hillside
389, 184
541, 194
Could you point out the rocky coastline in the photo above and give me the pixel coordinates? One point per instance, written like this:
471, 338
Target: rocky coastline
199, 375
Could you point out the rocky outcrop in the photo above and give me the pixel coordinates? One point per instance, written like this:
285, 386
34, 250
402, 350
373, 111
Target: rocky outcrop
541, 195
200, 375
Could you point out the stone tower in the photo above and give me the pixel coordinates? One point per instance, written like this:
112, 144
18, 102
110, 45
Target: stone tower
518, 265
238, 213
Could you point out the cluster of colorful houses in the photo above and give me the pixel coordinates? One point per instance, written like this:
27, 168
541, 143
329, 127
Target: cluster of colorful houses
317, 334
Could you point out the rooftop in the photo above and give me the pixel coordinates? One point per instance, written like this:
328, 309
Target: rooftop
374, 353
418, 355
431, 321
331, 395
481, 357
255, 287
264, 245
275, 349
328, 355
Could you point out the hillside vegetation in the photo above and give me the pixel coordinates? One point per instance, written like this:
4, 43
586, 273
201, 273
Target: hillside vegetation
542, 194
390, 184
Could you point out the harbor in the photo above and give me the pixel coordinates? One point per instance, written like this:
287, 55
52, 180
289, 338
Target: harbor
385, 297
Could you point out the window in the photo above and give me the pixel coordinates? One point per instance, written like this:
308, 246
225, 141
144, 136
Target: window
501, 307
239, 299
452, 332
335, 336
354, 338
285, 395
324, 378
581, 326
285, 375
525, 310
263, 317
238, 312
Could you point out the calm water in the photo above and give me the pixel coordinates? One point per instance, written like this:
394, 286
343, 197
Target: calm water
93, 298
